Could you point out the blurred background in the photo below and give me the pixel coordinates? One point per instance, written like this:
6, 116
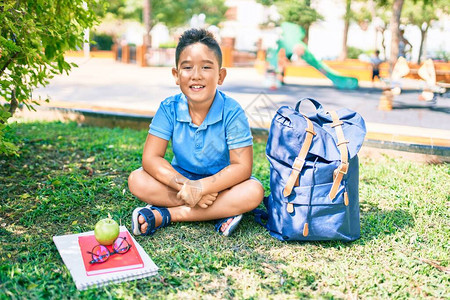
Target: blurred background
335, 30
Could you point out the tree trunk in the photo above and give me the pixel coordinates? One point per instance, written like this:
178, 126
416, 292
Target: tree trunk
146, 15
395, 33
374, 15
343, 54
306, 27
423, 35
306, 38
383, 42
10, 60
13, 104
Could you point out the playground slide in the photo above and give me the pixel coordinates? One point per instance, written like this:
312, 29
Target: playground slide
292, 39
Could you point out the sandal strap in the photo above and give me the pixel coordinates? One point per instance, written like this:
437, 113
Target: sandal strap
220, 222
235, 220
165, 214
149, 218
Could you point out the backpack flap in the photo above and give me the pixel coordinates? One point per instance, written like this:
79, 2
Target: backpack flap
353, 126
347, 130
288, 132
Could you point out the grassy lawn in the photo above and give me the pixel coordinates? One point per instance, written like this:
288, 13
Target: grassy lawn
68, 177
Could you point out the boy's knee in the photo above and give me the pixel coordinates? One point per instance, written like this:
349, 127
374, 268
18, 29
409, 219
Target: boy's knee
134, 182
256, 190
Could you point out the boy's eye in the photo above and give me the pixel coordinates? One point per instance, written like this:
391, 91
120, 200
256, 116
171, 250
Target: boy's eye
187, 68
206, 67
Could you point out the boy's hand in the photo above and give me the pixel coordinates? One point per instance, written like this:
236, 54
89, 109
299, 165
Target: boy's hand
207, 200
191, 192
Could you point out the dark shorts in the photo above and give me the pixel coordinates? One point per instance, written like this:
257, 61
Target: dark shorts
375, 73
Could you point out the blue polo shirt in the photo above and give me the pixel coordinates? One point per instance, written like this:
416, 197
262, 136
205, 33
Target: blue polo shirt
202, 149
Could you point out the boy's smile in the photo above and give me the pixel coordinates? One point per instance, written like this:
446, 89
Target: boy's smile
198, 73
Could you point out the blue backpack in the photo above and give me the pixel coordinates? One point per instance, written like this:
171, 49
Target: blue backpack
314, 174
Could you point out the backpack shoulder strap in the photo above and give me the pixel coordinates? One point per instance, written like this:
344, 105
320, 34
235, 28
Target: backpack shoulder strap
342, 145
300, 159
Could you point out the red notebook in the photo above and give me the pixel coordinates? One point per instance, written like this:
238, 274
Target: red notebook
115, 263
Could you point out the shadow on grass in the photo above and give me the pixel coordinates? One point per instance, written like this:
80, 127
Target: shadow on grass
48, 191
226, 267
375, 224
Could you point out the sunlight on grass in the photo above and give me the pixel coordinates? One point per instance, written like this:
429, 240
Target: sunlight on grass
67, 177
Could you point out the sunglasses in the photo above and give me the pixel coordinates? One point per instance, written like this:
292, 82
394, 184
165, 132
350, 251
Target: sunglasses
101, 254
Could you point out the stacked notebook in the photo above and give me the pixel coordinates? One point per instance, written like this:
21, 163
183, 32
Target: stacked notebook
134, 264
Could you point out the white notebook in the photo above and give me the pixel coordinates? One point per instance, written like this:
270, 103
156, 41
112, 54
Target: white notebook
70, 252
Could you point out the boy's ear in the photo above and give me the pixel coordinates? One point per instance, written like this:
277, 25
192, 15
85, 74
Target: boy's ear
222, 75
175, 75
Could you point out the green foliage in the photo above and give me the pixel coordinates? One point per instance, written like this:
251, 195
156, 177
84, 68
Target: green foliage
353, 52
360, 15
124, 9
168, 45
441, 55
422, 14
34, 35
101, 41
298, 12
168, 11
171, 13
50, 190
6, 147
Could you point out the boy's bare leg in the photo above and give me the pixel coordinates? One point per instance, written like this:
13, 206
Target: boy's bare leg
151, 191
239, 199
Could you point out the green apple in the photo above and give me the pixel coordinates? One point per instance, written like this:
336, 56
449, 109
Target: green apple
106, 231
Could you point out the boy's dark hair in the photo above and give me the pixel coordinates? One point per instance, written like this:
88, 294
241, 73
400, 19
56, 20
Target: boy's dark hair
192, 36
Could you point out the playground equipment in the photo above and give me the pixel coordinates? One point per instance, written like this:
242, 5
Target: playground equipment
291, 43
428, 73
401, 69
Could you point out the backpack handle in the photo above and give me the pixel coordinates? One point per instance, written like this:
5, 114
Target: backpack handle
315, 102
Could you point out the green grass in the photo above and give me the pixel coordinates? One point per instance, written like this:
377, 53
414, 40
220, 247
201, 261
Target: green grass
49, 191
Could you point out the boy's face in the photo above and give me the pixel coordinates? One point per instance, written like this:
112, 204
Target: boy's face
198, 73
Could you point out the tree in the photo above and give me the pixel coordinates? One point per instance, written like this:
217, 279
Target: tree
34, 34
394, 25
380, 18
347, 18
422, 14
360, 14
298, 12
146, 16
171, 13
168, 11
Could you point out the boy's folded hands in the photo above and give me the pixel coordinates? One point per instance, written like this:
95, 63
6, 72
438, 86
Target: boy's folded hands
207, 200
191, 194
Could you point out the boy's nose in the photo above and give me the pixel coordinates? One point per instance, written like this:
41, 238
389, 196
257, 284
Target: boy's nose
197, 73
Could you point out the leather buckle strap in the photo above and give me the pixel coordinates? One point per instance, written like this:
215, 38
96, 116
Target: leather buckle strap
342, 146
342, 143
342, 169
298, 164
336, 123
299, 161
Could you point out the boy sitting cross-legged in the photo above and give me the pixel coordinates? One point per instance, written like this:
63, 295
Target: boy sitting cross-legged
210, 175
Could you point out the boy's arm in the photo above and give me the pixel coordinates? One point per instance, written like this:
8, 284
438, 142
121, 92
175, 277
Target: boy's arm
154, 163
240, 169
